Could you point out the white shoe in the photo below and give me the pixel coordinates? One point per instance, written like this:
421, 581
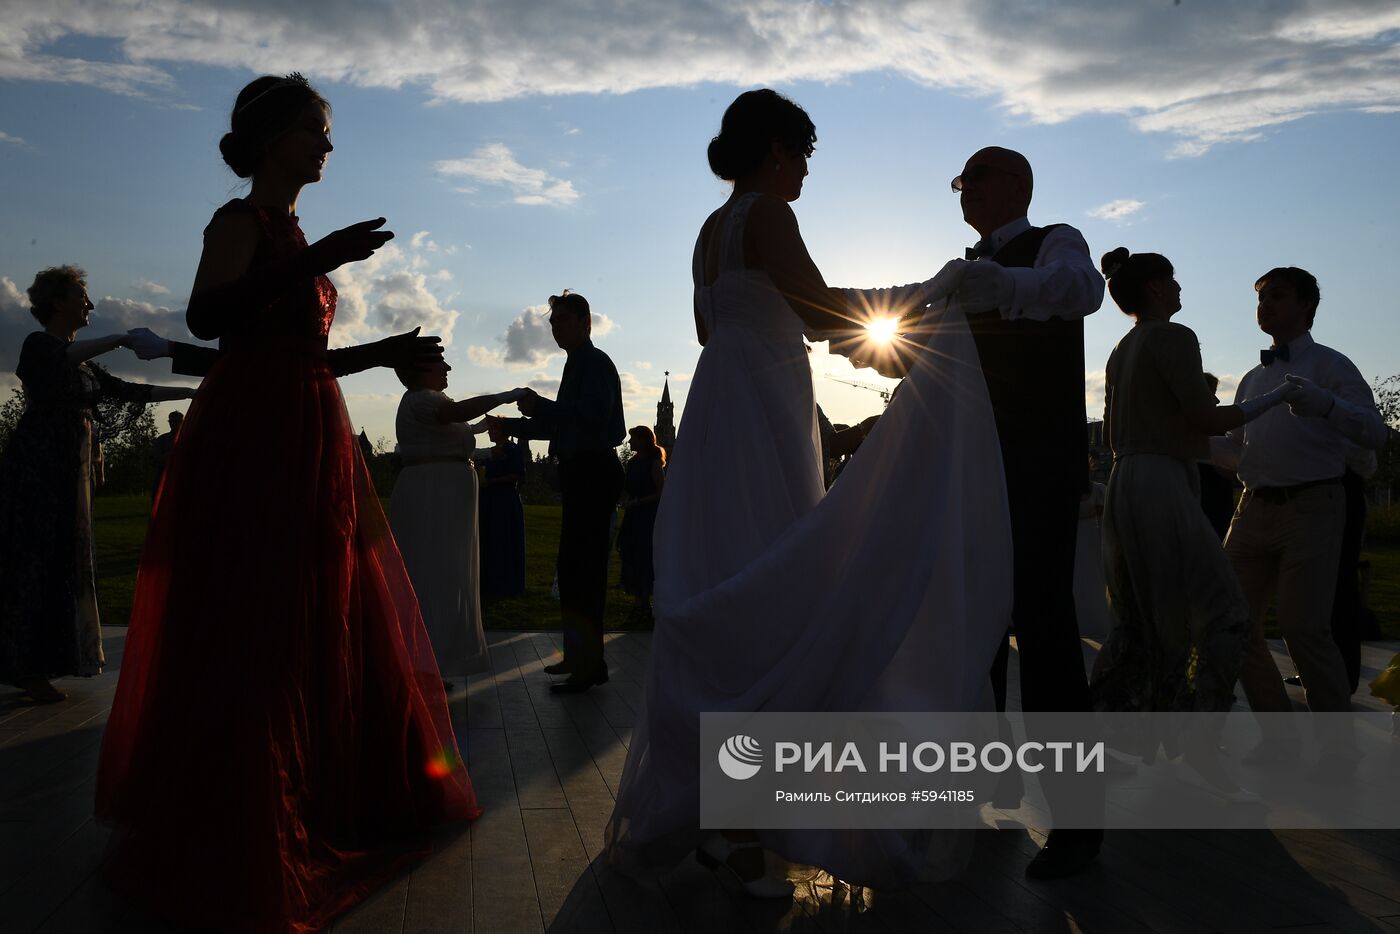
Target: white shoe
714, 853
1187, 773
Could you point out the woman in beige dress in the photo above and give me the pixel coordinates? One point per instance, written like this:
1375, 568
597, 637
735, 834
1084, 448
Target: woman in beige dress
1179, 616
433, 515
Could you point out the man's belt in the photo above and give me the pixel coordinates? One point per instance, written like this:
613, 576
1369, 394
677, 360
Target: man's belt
1278, 495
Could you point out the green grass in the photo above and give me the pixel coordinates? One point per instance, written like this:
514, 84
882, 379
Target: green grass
121, 527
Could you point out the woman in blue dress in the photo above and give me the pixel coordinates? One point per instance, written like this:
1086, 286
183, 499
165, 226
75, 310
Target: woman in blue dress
501, 518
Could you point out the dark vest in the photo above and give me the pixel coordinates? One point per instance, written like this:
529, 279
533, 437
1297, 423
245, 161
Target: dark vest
1035, 377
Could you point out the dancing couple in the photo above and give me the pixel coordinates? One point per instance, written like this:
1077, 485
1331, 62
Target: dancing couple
895, 590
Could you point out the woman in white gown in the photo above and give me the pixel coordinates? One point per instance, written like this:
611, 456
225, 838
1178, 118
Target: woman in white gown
433, 515
892, 594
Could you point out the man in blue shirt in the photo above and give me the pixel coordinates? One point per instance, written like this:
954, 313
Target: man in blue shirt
584, 426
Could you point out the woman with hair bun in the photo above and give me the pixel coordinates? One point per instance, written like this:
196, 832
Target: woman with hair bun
279, 744
765, 585
1180, 617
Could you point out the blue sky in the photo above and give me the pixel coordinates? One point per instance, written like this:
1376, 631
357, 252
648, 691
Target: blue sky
518, 150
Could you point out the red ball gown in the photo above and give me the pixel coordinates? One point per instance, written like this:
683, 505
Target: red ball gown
280, 744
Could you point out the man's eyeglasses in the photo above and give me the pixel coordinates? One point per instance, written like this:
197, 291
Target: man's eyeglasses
976, 174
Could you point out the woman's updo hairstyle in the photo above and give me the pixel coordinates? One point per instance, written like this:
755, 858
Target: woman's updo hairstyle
264, 110
1128, 275
750, 126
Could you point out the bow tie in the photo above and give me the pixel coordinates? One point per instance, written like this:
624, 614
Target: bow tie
978, 250
1269, 355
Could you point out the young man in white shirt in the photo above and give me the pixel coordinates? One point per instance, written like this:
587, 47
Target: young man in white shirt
1285, 538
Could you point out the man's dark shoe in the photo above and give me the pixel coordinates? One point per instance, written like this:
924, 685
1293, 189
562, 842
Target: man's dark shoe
564, 667
1066, 853
578, 682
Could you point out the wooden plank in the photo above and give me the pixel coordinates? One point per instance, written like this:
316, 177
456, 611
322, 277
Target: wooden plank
1093, 900
51, 881
440, 889
700, 903
600, 737
47, 821
500, 860
549, 712
483, 707
536, 784
633, 906
1382, 868
93, 909
1376, 894
1262, 877
381, 913
568, 893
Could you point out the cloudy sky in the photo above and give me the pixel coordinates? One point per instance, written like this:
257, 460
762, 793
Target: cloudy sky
521, 148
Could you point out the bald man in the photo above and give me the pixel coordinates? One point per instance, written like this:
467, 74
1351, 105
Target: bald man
1026, 296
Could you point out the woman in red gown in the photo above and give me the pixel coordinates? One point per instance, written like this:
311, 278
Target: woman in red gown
280, 744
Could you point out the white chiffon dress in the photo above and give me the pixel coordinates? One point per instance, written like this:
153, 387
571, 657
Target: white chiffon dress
433, 517
890, 593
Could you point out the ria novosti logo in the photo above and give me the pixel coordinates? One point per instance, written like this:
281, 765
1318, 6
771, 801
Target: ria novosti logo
740, 757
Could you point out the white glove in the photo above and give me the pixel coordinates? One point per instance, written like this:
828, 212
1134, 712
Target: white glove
1253, 408
1309, 399
986, 286
946, 282
147, 344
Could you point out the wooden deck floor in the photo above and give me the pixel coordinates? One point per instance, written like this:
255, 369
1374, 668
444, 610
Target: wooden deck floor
546, 769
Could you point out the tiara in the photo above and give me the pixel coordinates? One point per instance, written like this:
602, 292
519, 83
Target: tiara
295, 79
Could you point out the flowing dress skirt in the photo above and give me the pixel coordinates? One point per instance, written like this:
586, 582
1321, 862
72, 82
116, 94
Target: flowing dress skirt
279, 744
891, 593
1179, 616
433, 515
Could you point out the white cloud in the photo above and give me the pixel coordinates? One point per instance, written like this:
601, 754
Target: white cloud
14, 140
1117, 210
147, 287
635, 393
528, 341
495, 164
389, 293
16, 323
1205, 73
642, 364
1094, 383
544, 385
483, 356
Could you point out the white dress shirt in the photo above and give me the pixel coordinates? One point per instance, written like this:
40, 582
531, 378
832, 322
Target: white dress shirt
1282, 449
1063, 283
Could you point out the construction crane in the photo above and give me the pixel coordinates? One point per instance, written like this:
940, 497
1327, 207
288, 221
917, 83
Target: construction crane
884, 394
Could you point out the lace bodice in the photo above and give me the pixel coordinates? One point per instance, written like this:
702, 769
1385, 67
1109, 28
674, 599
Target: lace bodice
741, 299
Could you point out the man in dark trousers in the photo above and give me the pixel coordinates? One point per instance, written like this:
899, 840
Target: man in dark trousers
584, 427
1026, 295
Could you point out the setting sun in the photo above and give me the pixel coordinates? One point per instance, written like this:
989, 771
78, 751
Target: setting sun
882, 330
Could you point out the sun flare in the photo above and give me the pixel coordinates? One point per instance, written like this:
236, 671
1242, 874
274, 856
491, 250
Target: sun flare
882, 330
